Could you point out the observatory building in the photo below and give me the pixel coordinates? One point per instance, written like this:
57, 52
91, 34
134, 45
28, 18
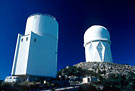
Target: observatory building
36, 51
97, 44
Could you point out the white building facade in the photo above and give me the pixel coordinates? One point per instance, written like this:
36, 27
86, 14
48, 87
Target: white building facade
36, 51
97, 44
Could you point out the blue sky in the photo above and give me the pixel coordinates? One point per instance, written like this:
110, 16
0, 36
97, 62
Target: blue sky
74, 17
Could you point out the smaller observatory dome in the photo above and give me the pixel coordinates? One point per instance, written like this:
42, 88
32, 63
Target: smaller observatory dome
96, 32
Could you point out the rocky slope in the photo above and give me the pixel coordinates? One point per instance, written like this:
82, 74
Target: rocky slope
106, 68
104, 76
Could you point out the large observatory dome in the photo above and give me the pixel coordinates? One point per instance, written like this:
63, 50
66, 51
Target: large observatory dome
96, 32
37, 49
41, 24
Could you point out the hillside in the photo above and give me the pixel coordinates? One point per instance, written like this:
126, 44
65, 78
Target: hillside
107, 68
110, 76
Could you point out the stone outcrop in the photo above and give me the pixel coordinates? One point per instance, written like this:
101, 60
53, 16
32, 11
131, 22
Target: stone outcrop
107, 68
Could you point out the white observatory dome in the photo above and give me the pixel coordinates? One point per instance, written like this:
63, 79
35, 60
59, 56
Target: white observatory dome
97, 44
96, 32
41, 24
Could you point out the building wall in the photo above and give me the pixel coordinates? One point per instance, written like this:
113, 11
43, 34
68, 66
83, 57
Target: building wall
15, 55
22, 55
42, 60
37, 56
98, 51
